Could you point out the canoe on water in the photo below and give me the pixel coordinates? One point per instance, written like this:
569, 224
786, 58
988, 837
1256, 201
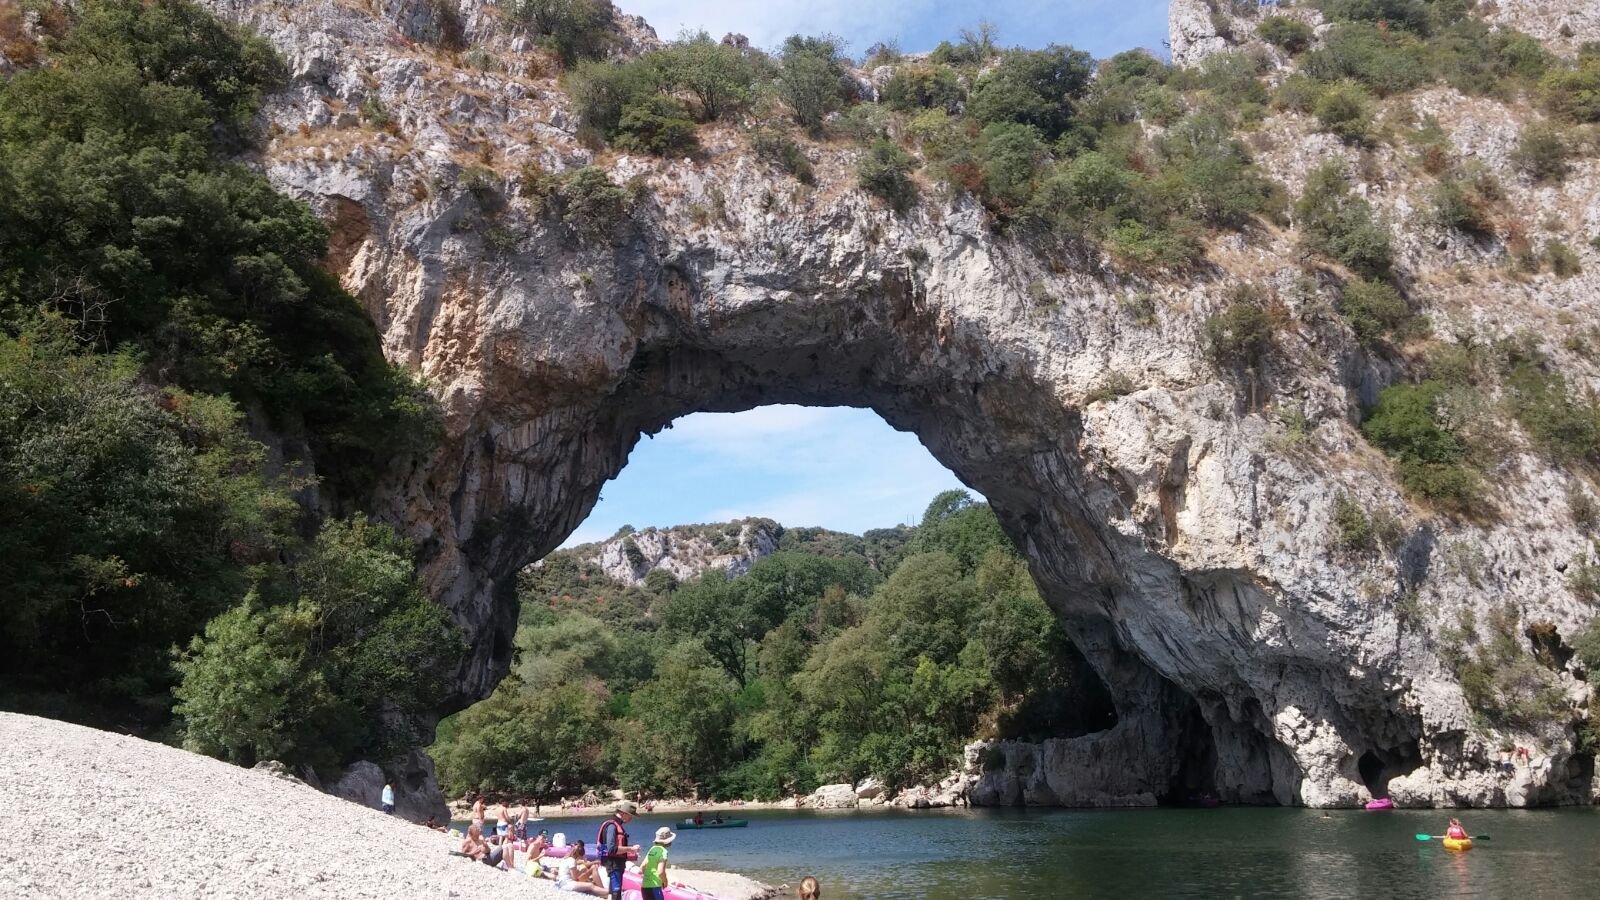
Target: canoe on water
1380, 804
725, 823
1457, 844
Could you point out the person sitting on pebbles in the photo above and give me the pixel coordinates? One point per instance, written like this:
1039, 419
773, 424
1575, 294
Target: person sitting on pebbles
476, 847
576, 873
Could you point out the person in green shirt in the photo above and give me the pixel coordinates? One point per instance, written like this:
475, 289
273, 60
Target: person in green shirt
654, 868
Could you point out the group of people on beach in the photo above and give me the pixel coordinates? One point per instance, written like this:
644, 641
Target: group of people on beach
569, 865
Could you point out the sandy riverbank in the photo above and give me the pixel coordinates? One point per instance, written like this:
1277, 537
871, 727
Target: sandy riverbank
130, 818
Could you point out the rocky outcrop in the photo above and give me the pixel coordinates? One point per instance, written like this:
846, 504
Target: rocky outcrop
1192, 32
416, 795
684, 551
833, 796
1183, 531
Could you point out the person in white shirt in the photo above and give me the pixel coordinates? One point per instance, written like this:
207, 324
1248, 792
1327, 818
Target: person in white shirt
388, 798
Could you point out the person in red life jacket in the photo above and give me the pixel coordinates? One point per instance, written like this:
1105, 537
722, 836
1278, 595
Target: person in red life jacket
614, 846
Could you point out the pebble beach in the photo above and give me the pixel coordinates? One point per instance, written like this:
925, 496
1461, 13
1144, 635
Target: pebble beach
94, 814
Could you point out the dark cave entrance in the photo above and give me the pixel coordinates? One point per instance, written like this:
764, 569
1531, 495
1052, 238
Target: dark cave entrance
1378, 766
1194, 783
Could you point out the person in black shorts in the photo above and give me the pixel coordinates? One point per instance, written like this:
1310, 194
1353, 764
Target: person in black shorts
614, 846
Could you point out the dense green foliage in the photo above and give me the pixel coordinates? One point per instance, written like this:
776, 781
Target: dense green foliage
129, 515
122, 214
310, 667
1240, 335
151, 291
837, 657
1375, 311
923, 86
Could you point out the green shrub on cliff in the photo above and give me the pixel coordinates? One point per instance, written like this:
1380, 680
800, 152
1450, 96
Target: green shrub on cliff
1573, 92
1376, 311
572, 29
1345, 110
1033, 87
1502, 682
1406, 424
1293, 35
1562, 423
885, 172
812, 78
1335, 222
923, 86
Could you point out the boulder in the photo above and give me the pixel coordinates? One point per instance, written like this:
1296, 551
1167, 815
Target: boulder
833, 796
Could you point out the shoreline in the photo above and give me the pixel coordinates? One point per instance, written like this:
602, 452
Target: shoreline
463, 811
169, 823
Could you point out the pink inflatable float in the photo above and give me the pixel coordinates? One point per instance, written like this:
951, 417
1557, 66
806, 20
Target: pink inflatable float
1380, 803
633, 881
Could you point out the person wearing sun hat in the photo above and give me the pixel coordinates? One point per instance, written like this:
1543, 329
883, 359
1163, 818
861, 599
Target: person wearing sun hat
614, 846
654, 869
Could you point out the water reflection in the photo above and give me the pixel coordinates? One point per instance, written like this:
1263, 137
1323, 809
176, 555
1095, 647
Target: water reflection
1171, 854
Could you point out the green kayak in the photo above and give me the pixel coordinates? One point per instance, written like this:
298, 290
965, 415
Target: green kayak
725, 823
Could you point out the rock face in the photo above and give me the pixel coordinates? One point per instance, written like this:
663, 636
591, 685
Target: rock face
684, 551
1183, 531
416, 795
1192, 32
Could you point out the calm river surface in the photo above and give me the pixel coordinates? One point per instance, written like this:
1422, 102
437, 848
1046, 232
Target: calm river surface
1163, 853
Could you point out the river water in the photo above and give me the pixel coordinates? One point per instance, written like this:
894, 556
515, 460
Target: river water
1160, 853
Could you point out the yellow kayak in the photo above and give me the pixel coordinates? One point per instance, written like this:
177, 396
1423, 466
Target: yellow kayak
1451, 843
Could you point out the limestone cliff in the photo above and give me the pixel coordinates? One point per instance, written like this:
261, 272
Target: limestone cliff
1183, 530
682, 551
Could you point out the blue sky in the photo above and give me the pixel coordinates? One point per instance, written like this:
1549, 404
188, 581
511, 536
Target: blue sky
1102, 27
838, 467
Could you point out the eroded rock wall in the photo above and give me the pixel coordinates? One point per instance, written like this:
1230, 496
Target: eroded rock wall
1182, 531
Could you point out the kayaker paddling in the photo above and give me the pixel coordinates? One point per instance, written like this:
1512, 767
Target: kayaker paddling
1456, 837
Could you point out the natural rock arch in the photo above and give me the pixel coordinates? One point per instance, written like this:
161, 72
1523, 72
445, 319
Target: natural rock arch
1188, 554
553, 419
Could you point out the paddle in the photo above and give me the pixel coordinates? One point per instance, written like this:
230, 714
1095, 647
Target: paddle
1440, 837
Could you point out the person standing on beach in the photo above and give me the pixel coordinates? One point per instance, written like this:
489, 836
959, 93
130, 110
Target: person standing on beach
654, 868
477, 812
388, 798
614, 846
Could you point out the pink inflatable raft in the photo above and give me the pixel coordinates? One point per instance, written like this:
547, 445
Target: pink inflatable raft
633, 881
1380, 804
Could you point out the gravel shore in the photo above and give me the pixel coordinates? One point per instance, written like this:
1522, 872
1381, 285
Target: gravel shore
93, 814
